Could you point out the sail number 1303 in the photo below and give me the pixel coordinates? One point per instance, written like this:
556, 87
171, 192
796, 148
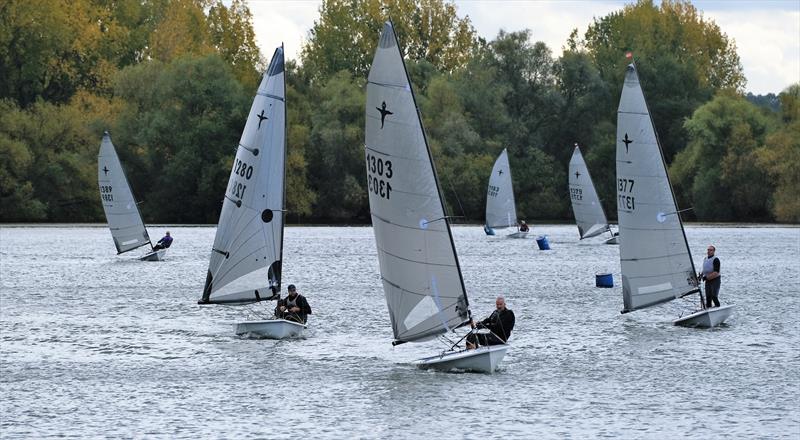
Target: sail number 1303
379, 174
625, 198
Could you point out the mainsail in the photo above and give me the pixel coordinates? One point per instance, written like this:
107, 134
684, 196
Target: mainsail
654, 255
589, 214
501, 211
122, 213
246, 258
421, 277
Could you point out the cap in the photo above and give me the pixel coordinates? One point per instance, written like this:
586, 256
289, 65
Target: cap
291, 287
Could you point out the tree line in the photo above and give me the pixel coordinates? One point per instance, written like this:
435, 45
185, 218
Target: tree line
172, 80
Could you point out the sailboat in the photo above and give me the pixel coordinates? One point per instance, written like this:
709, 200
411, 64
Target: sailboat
245, 264
419, 267
589, 214
122, 211
654, 254
501, 210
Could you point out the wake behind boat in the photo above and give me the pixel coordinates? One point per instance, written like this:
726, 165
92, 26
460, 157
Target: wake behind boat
119, 205
419, 268
654, 254
246, 258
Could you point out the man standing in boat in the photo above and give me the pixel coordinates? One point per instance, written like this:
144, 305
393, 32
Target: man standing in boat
712, 277
164, 243
499, 323
294, 307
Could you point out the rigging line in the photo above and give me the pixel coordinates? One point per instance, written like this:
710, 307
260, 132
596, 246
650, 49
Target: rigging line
450, 182
253, 151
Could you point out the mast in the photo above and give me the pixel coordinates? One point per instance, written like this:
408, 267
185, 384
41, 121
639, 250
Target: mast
435, 174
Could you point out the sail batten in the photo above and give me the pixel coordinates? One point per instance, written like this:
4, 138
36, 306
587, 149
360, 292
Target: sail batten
421, 278
654, 255
247, 251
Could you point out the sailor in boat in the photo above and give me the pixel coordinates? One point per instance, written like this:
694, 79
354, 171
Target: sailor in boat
523, 227
294, 307
164, 243
499, 323
712, 277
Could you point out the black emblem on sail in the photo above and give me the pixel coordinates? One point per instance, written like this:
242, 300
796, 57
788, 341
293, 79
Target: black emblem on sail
577, 174
384, 112
261, 118
499, 172
105, 170
627, 141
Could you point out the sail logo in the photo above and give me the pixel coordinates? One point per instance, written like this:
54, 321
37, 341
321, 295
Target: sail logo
384, 112
627, 142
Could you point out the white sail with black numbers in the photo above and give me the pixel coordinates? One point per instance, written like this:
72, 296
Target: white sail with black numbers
589, 214
654, 256
246, 256
501, 210
122, 213
419, 268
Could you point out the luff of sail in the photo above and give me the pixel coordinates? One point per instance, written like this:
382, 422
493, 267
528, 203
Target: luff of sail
246, 256
501, 210
654, 256
421, 278
589, 214
122, 213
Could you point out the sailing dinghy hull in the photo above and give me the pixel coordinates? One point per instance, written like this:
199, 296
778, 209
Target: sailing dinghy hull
612, 240
479, 360
488, 230
518, 234
154, 255
707, 318
271, 329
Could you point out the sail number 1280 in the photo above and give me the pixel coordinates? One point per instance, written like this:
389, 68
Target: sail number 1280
379, 173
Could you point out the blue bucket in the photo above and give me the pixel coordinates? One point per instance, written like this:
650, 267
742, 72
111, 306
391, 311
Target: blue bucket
604, 280
544, 245
488, 230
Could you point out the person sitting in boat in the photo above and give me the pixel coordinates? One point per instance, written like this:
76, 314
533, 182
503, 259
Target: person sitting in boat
294, 307
523, 227
500, 323
164, 243
710, 274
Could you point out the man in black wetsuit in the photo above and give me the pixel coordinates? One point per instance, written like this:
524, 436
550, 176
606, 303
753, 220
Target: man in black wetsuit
294, 307
500, 323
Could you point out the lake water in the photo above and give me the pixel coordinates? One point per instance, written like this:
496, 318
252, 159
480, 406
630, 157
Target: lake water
99, 345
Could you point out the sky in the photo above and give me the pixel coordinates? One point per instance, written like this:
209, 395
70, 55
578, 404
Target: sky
766, 33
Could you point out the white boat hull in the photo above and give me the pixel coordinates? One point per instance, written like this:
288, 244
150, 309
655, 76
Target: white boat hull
612, 240
271, 329
706, 318
518, 234
481, 360
154, 255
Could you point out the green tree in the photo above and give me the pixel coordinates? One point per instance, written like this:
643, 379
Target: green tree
683, 60
336, 151
346, 34
718, 173
178, 131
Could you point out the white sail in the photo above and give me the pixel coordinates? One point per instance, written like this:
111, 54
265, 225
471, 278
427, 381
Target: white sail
654, 256
419, 268
501, 211
589, 214
246, 256
124, 219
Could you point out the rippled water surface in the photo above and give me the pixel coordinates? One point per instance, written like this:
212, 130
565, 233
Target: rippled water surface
99, 345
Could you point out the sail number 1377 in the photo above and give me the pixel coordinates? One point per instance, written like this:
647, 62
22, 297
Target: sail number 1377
625, 198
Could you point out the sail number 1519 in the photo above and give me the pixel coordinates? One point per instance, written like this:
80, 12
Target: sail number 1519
379, 174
